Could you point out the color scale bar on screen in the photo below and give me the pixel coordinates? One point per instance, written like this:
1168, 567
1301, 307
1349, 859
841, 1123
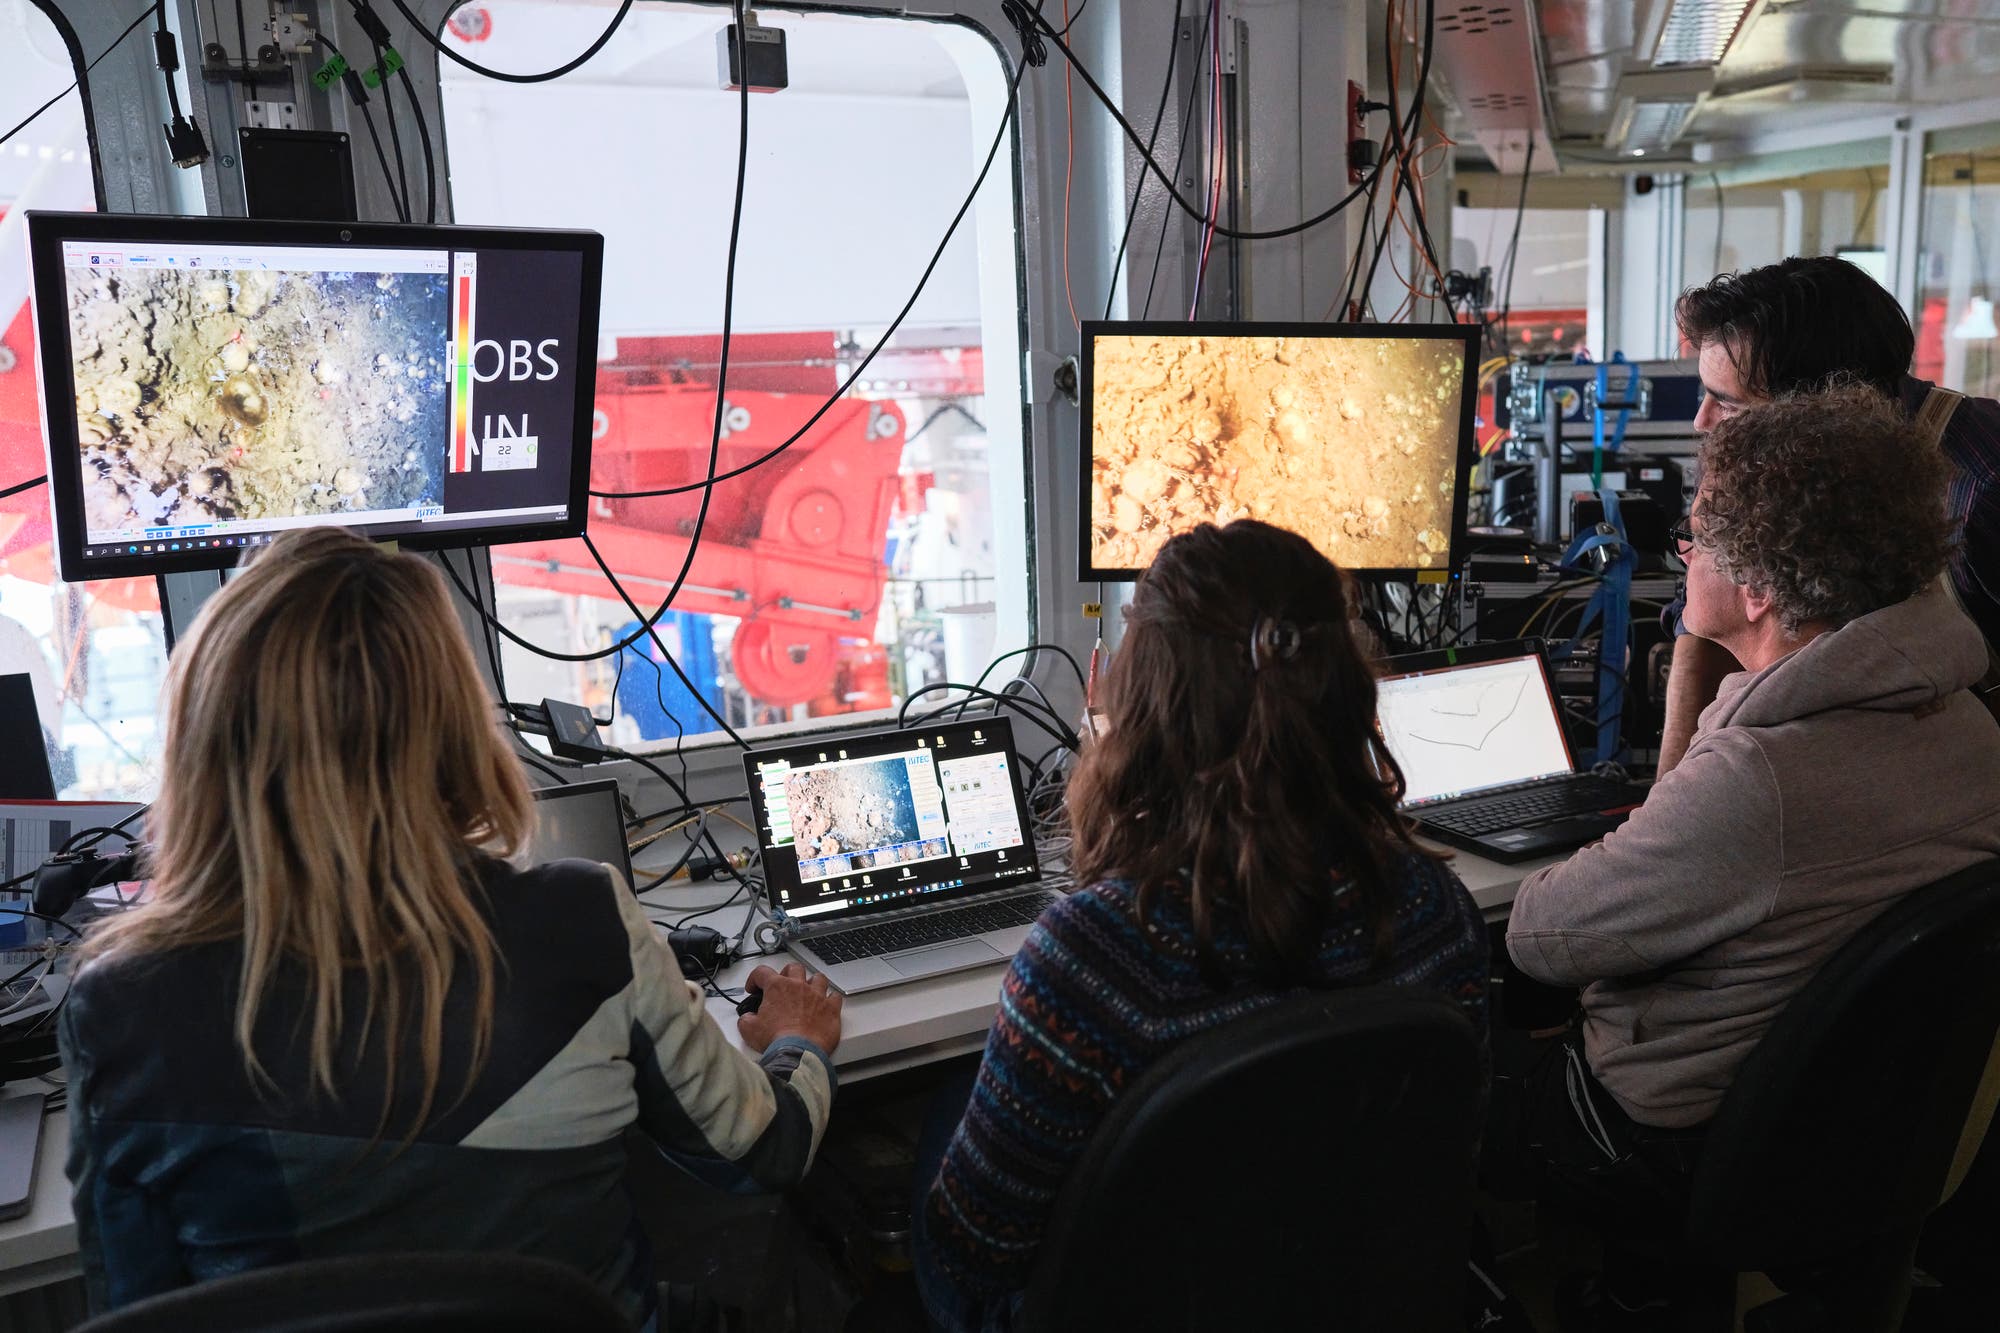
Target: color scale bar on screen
464, 272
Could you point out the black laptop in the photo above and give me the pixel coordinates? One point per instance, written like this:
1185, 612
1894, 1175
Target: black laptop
1479, 738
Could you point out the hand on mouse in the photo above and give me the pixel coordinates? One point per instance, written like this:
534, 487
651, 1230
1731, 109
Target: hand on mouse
793, 1005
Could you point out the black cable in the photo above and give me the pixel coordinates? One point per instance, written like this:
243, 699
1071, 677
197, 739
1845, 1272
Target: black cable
395, 139
556, 73
1355, 298
31, 482
647, 623
701, 836
101, 832
1200, 215
1715, 183
130, 28
660, 643
1015, 700
1159, 114
715, 478
1404, 135
167, 76
1513, 247
359, 95
617, 681
424, 137
1056, 648
1180, 156
1033, 709
526, 755
1016, 12
243, 40
721, 370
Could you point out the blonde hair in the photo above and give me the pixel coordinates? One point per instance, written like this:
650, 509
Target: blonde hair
333, 774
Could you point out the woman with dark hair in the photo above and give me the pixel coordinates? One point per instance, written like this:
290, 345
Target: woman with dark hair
1236, 839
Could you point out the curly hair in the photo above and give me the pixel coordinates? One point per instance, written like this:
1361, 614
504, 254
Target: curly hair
1240, 764
1832, 502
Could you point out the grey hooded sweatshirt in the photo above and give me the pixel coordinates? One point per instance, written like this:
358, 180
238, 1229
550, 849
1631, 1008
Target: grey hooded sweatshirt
1816, 792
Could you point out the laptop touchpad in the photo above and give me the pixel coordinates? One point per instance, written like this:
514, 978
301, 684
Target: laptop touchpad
943, 957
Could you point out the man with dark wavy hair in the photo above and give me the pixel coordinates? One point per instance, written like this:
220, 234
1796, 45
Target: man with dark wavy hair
1799, 324
1846, 764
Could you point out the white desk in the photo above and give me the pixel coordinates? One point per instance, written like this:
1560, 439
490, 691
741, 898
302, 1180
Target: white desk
918, 1022
40, 1247
899, 1027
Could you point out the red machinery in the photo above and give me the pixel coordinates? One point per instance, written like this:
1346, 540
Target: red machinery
793, 548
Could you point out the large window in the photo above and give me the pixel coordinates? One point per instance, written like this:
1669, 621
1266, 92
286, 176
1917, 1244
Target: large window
1958, 271
1748, 217
886, 550
94, 651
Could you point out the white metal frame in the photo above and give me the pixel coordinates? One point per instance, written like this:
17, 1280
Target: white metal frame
1311, 49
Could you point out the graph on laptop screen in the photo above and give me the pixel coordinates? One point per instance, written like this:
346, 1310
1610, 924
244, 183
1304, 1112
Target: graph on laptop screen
1354, 436
1462, 729
863, 822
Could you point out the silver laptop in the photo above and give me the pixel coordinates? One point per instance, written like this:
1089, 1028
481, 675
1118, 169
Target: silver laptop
897, 855
583, 819
1486, 766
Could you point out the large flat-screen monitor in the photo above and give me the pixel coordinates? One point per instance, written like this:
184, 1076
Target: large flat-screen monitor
209, 382
1357, 437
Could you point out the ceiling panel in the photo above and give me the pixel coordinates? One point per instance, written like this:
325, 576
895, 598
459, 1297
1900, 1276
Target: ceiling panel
1800, 63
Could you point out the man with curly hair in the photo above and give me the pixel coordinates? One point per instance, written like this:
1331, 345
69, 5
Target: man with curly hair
1845, 765
1799, 324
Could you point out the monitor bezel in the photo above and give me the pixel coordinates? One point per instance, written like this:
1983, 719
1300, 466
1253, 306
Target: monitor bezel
1481, 654
781, 871
569, 791
55, 381
1467, 334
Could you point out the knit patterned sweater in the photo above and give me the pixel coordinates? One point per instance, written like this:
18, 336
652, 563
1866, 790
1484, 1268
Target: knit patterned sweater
1093, 1000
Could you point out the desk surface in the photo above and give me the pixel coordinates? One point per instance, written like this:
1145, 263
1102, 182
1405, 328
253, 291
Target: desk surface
899, 1027
918, 1022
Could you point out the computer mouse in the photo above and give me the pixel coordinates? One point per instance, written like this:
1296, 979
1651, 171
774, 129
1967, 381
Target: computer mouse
750, 1003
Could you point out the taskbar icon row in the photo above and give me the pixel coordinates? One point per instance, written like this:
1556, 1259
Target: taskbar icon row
183, 544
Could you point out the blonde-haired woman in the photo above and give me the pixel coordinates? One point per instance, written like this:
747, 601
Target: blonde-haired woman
343, 1022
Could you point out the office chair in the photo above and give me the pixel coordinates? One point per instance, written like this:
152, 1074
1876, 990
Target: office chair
1309, 1164
381, 1293
1850, 1121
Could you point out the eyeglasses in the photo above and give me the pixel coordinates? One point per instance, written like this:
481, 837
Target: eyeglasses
1682, 536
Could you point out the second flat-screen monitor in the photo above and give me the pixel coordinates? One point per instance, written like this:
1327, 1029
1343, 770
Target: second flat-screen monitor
209, 382
1355, 436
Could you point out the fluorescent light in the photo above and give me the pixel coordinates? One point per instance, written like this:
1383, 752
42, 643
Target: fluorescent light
1654, 108
1678, 33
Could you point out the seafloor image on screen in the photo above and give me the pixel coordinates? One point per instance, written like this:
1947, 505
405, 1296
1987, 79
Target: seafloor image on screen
209, 395
1350, 442
852, 808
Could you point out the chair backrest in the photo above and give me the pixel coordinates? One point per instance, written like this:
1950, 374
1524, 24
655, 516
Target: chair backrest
1842, 1125
1308, 1167
381, 1293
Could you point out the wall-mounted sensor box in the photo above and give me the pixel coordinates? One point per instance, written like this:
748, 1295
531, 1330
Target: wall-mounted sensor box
763, 54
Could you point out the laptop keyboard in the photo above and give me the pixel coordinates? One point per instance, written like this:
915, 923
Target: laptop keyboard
1536, 805
845, 946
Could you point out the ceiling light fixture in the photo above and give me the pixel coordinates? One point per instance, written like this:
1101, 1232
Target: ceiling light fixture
1672, 34
1654, 107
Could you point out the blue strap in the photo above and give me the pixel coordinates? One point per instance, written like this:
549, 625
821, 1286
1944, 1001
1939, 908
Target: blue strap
1612, 601
1597, 443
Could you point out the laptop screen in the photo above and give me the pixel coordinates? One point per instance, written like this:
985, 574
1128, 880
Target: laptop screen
585, 820
1464, 726
861, 824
